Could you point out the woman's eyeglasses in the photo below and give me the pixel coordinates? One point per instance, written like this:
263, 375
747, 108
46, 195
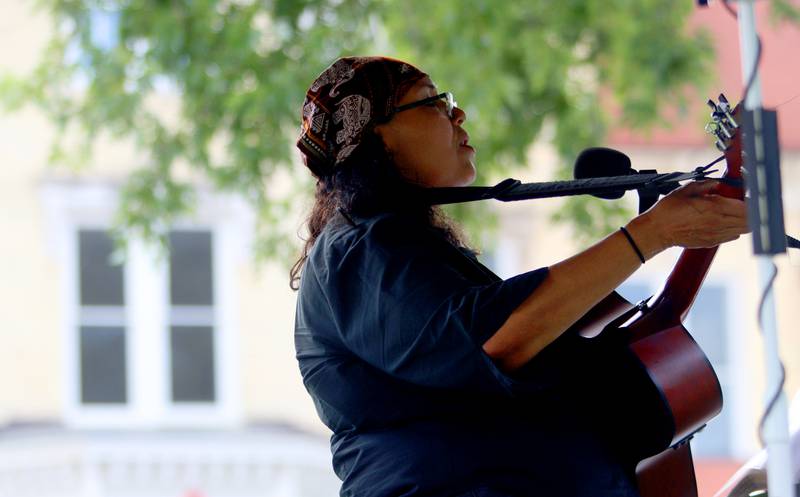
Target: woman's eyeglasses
447, 96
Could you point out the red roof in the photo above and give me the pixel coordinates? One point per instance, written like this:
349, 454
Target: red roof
779, 71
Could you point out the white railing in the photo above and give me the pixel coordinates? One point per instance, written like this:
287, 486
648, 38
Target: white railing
241, 463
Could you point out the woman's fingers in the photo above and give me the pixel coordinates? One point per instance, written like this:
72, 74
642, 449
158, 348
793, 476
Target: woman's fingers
729, 206
704, 187
695, 215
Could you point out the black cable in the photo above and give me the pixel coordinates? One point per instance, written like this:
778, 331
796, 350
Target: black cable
730, 9
777, 393
754, 71
773, 400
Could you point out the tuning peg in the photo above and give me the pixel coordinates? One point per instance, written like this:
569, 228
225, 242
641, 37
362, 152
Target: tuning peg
722, 124
724, 130
731, 122
725, 107
721, 133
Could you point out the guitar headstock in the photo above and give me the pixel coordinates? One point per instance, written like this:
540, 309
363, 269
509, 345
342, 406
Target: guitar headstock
723, 125
726, 129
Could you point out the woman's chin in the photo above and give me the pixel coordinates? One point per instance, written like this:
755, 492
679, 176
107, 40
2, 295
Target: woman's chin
470, 176
465, 176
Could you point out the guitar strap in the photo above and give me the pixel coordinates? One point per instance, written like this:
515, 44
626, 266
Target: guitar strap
647, 183
511, 189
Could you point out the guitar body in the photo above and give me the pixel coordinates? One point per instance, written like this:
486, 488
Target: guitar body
683, 375
666, 390
668, 474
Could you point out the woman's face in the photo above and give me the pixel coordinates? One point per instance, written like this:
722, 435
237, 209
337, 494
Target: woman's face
429, 148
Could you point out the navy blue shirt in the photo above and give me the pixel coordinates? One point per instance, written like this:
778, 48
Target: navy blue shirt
390, 323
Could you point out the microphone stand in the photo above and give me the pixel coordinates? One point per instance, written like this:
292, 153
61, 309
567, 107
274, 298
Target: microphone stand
776, 422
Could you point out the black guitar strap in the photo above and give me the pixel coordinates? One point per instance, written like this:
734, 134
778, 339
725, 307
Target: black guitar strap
647, 183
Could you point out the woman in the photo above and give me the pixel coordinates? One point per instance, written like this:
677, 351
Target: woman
436, 377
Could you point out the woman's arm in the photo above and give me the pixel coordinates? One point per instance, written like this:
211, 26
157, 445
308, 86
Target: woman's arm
688, 217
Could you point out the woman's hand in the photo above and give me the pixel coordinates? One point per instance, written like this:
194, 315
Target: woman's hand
693, 216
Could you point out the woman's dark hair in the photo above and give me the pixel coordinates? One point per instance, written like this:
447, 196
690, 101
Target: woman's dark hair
368, 183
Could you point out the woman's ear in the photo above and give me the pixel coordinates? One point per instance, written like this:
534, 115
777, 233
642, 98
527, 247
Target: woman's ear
378, 130
383, 133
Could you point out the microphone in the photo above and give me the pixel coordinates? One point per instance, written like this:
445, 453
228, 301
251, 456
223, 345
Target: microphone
599, 162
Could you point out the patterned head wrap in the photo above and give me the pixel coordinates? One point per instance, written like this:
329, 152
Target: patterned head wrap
347, 99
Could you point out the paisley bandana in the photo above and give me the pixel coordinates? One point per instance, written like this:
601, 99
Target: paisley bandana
347, 99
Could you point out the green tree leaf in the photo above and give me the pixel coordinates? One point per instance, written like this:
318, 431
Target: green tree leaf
238, 71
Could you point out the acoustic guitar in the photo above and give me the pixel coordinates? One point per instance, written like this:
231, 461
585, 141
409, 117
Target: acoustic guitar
680, 392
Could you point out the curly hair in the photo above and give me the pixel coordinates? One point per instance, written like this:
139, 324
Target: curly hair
369, 183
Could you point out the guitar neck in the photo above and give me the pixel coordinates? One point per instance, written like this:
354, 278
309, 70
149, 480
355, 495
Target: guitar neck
675, 299
681, 288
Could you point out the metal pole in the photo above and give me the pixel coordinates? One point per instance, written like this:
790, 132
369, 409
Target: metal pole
776, 425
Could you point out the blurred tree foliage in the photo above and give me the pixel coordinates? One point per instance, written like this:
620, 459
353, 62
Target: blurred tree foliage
239, 70
781, 10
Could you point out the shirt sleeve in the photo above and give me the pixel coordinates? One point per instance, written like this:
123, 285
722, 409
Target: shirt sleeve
403, 306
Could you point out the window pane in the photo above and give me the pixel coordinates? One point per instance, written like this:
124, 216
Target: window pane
708, 324
715, 439
100, 282
634, 292
192, 352
102, 364
190, 268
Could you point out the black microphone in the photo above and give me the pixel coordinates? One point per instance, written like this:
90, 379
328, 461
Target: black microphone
599, 162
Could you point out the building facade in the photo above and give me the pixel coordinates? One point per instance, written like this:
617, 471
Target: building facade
174, 374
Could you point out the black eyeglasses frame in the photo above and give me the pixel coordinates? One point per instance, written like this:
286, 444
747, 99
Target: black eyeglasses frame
451, 104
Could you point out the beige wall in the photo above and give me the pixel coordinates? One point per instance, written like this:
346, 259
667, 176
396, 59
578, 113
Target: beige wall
30, 356
271, 380
30, 359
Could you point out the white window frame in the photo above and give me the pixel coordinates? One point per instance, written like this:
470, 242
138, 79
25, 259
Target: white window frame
69, 206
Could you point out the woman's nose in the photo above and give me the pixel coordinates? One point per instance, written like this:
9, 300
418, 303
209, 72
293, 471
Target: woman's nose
459, 116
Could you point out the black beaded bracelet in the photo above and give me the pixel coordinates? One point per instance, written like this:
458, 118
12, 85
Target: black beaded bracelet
633, 244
